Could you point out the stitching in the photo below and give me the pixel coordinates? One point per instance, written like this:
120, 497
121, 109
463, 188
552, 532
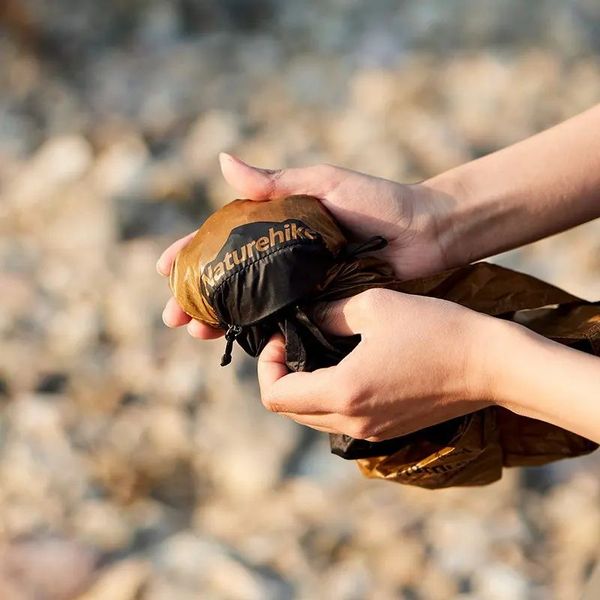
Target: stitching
592, 335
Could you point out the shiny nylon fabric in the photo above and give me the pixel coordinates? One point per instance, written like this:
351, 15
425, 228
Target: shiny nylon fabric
275, 289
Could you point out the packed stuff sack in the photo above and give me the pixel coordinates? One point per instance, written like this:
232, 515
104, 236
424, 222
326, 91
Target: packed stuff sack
257, 268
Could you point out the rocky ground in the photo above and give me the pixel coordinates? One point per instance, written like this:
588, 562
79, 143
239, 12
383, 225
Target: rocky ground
131, 465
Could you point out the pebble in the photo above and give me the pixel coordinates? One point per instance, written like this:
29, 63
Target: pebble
122, 581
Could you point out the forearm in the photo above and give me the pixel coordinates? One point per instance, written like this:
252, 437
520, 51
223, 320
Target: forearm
544, 380
535, 188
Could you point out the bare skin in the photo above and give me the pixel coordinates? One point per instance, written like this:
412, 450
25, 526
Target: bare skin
537, 187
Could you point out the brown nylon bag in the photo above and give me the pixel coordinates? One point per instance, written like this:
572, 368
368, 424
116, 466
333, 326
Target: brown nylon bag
257, 268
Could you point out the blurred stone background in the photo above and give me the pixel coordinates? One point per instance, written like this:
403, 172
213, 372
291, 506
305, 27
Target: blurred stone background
131, 465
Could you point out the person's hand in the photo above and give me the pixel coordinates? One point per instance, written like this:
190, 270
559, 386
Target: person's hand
420, 361
173, 315
403, 214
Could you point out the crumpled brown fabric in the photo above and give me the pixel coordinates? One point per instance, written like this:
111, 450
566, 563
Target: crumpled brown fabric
256, 268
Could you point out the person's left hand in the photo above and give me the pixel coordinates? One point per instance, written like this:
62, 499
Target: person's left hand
420, 361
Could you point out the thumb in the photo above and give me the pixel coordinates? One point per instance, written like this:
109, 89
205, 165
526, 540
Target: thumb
259, 184
282, 391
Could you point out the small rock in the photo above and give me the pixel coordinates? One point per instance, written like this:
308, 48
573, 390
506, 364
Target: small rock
121, 581
102, 525
499, 582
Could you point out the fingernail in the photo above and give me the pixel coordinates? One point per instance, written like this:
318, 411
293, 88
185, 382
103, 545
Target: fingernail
235, 159
224, 156
159, 269
164, 318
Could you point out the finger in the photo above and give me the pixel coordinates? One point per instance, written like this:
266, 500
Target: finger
301, 393
165, 262
271, 363
321, 428
260, 184
342, 317
324, 422
201, 331
173, 315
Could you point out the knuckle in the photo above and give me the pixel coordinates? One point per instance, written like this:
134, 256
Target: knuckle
373, 302
361, 429
374, 297
365, 301
323, 170
270, 404
273, 178
277, 174
349, 399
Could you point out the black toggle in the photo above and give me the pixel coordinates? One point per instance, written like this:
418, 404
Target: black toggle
233, 331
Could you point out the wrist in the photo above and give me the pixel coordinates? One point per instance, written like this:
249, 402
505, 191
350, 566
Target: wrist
450, 201
505, 367
521, 371
495, 360
477, 213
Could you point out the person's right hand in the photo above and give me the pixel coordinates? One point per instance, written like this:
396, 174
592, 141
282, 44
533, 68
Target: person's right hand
367, 206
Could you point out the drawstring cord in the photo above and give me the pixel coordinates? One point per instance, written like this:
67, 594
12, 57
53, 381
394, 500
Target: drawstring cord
355, 248
233, 331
